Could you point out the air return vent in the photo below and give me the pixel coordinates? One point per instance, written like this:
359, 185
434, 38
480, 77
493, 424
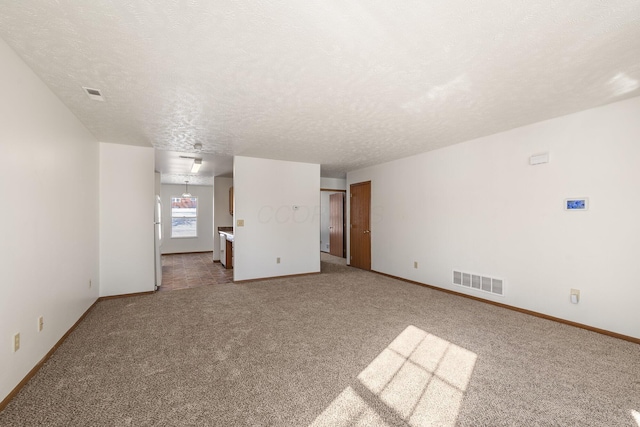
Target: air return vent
94, 94
479, 282
466, 279
457, 278
475, 281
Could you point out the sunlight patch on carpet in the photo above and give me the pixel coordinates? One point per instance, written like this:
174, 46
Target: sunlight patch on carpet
420, 377
636, 416
347, 410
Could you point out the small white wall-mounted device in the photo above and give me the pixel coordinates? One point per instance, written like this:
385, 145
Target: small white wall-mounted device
576, 204
539, 159
575, 296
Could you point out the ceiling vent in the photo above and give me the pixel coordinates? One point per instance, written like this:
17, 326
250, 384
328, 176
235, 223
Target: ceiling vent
93, 93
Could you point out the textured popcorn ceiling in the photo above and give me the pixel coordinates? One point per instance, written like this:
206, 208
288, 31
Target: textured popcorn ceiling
345, 83
176, 169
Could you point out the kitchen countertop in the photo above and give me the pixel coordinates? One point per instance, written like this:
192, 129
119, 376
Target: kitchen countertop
227, 234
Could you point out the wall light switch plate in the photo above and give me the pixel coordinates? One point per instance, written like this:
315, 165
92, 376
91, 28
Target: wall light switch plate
16, 342
240, 223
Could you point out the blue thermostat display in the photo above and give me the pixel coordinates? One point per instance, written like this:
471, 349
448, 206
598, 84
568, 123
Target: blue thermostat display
576, 204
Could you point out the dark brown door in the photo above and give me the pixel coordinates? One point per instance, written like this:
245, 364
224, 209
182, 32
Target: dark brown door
336, 219
360, 233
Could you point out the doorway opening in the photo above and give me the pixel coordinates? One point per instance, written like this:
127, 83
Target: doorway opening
332, 222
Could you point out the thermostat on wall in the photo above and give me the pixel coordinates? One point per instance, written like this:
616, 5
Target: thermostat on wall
576, 204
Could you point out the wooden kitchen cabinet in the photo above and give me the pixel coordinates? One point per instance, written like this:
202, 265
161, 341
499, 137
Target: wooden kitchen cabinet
229, 255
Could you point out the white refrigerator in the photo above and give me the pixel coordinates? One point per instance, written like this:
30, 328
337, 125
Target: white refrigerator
157, 225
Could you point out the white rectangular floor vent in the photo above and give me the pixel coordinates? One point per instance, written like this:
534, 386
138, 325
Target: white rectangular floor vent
479, 282
457, 278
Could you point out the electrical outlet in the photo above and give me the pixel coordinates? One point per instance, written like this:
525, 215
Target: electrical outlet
40, 323
278, 260
16, 342
415, 264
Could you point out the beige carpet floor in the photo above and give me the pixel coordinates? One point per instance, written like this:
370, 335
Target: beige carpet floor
342, 348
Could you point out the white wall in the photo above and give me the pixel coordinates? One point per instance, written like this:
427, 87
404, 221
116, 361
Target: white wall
480, 207
204, 241
265, 193
127, 198
48, 220
156, 184
333, 183
221, 216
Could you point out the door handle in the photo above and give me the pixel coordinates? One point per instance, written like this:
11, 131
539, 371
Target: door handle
366, 231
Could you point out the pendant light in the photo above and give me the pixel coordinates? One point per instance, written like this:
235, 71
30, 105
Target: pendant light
186, 190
